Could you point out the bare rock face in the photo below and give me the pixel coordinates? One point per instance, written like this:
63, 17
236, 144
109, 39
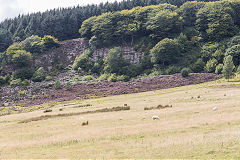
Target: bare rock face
128, 53
69, 50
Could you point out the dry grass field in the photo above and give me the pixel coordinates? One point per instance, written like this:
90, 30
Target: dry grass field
189, 129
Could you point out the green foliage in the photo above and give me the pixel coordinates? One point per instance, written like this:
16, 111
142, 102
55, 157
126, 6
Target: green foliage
84, 61
88, 78
76, 79
103, 77
219, 69
112, 77
172, 70
215, 21
2, 80
234, 51
57, 85
22, 93
211, 65
198, 66
238, 69
166, 52
33, 44
188, 12
39, 75
25, 83
49, 42
68, 85
185, 72
163, 24
5, 39
49, 78
24, 73
16, 82
228, 67
22, 58
115, 63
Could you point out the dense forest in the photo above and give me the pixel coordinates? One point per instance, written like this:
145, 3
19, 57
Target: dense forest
187, 36
63, 23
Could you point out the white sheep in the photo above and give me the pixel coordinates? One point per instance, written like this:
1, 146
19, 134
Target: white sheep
155, 117
215, 108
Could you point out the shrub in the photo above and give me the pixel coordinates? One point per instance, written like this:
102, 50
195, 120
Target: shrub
24, 73
39, 75
68, 85
16, 82
49, 78
238, 69
22, 58
234, 51
76, 79
112, 78
22, 93
166, 52
123, 78
25, 82
50, 42
198, 66
219, 69
2, 80
115, 63
57, 85
103, 77
185, 72
88, 78
211, 65
172, 70
84, 61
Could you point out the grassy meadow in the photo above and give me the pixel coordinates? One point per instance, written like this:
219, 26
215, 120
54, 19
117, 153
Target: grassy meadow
189, 129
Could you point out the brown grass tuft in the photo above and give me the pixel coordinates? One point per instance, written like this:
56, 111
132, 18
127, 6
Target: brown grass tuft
114, 109
158, 107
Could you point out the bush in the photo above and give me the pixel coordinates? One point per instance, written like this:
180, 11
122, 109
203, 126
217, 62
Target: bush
219, 69
22, 58
238, 69
76, 79
123, 78
57, 85
16, 82
50, 42
49, 78
198, 66
115, 63
103, 77
22, 93
88, 78
68, 85
84, 61
166, 52
39, 75
2, 80
25, 82
24, 73
172, 70
112, 78
211, 65
185, 72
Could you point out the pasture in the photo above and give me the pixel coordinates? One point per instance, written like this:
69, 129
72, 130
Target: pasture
190, 128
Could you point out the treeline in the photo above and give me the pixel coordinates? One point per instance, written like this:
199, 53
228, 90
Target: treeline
196, 35
63, 23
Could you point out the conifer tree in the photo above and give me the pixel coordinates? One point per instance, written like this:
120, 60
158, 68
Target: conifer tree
228, 67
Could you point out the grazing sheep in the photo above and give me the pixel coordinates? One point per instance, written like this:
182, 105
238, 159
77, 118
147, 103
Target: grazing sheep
215, 108
85, 123
155, 117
